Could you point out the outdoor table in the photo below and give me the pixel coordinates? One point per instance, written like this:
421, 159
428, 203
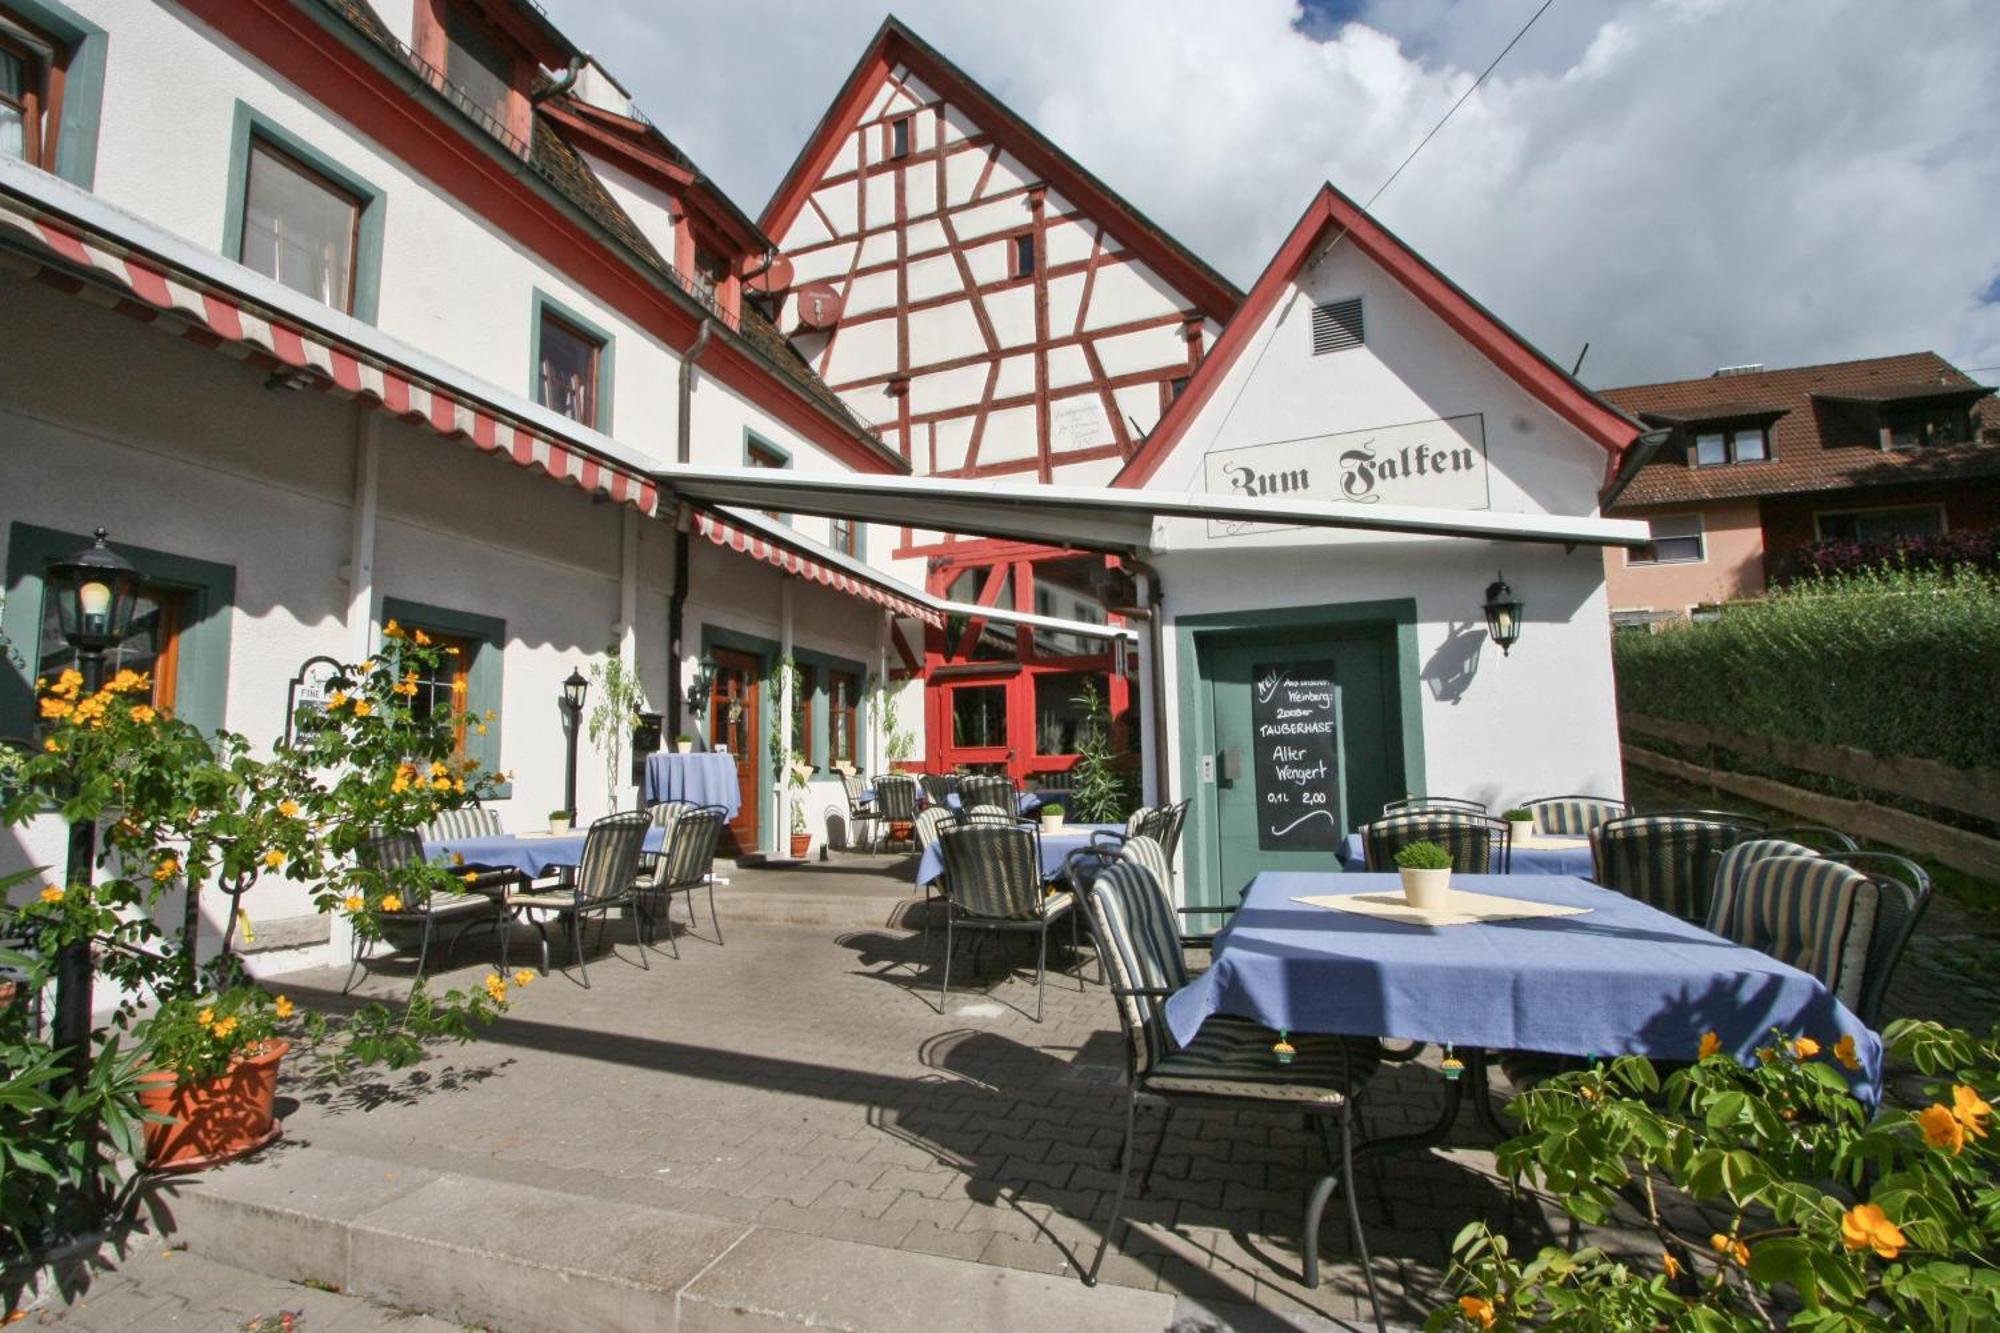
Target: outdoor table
1056, 848
533, 854
704, 778
1026, 802
1623, 978
1546, 856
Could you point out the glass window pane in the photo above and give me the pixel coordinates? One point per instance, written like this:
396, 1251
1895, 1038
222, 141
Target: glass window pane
13, 95
979, 715
1749, 445
1710, 450
1062, 590
299, 229
476, 65
444, 687
567, 381
1059, 711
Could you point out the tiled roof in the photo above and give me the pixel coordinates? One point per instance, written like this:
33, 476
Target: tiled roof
1826, 440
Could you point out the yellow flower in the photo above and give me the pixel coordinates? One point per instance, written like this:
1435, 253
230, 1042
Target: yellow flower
128, 681
225, 1026
1805, 1048
458, 858
338, 699
353, 902
362, 708
1843, 1051
1477, 1310
491, 715
1971, 1110
438, 770
143, 713
422, 638
391, 903
205, 1017
54, 707
1587, 1092
481, 726
68, 683
51, 746
284, 1007
166, 870
1866, 1227
470, 877
1765, 1055
460, 686
274, 858
1942, 1129
522, 976
1710, 1044
1671, 1264
392, 630
52, 895
496, 986
288, 807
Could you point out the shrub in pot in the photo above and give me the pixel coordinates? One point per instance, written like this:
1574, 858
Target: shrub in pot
218, 1077
559, 821
1053, 816
1426, 871
1521, 822
683, 743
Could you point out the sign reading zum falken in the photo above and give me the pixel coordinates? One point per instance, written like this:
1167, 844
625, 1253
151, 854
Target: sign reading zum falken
1439, 464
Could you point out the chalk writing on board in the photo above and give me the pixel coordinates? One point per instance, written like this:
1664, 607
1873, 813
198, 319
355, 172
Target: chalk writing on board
1294, 716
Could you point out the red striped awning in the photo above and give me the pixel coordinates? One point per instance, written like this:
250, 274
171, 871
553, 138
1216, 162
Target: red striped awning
794, 561
151, 291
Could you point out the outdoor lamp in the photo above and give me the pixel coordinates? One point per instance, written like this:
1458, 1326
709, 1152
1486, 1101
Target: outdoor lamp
572, 703
95, 592
573, 691
1503, 614
698, 689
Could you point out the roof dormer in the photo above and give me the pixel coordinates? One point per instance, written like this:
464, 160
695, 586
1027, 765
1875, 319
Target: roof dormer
484, 55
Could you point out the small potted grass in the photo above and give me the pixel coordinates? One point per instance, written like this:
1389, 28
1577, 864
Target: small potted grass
1052, 817
1520, 822
559, 821
1426, 871
683, 743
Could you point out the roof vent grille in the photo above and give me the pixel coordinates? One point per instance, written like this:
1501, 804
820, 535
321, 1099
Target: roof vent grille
1336, 326
1751, 368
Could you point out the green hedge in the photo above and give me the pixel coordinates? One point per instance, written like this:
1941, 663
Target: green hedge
1898, 662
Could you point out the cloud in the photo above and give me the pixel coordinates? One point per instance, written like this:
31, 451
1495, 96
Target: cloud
1681, 183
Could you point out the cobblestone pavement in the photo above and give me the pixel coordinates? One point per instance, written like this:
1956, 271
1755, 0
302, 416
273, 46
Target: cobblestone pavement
804, 1078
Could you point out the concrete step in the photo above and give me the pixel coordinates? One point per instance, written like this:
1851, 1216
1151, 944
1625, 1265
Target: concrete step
515, 1257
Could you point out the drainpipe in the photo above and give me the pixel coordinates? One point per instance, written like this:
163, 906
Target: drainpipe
677, 604
1156, 681
563, 83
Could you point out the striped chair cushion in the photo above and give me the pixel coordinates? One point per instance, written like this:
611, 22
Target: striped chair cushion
1729, 866
1573, 816
1662, 860
1234, 1057
1474, 841
1139, 941
930, 822
1818, 915
1145, 852
470, 821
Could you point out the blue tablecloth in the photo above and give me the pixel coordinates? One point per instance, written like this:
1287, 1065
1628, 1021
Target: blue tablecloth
705, 778
1056, 848
1621, 979
1526, 860
1026, 802
533, 853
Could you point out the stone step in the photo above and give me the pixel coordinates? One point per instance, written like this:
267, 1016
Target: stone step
516, 1257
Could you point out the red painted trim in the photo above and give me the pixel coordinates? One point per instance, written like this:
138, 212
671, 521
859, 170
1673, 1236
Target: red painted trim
1331, 210
316, 58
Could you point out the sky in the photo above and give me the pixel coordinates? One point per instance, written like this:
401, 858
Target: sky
1681, 184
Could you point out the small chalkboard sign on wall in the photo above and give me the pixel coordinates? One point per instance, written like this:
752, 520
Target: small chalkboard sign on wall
1295, 719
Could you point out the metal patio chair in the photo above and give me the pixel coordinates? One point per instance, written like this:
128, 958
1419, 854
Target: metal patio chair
476, 821
989, 789
1231, 1064
860, 811
895, 802
993, 882
1729, 865
938, 788
1812, 912
1665, 860
390, 858
1410, 804
1905, 890
603, 883
686, 863
1479, 845
1826, 841
1573, 816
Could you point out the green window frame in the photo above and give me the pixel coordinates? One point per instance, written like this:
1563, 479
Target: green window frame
251, 125
201, 682
84, 45
545, 307
484, 674
753, 444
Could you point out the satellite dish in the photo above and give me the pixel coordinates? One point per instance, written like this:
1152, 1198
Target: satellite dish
774, 277
818, 305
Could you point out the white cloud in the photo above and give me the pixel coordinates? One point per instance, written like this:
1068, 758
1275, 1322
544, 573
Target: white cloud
1681, 183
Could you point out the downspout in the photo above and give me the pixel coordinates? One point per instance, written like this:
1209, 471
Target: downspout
1640, 452
1156, 679
677, 604
562, 83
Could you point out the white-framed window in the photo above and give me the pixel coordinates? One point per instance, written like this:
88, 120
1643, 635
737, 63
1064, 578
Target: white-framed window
1739, 444
1677, 540
1880, 525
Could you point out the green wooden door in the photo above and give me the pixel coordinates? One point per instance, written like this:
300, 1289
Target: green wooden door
1285, 792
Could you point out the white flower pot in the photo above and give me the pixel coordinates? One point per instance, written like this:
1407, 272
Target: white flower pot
683, 747
1052, 823
1427, 890
558, 824
1520, 828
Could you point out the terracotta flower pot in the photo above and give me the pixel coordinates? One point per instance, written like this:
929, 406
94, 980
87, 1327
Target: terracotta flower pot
801, 843
900, 830
215, 1120
8, 989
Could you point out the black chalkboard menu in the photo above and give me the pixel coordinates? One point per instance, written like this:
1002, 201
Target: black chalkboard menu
1294, 720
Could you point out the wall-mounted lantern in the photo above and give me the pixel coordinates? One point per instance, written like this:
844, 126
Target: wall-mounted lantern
1503, 614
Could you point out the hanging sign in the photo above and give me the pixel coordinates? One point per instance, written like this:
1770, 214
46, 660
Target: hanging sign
1438, 464
309, 690
1294, 723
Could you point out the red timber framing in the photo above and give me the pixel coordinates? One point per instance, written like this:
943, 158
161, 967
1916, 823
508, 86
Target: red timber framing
1334, 219
316, 50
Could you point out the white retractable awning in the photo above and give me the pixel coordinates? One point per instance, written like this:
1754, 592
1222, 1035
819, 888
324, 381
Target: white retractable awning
1100, 518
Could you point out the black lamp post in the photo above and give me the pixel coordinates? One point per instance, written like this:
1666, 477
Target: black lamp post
573, 691
1503, 614
95, 592
698, 690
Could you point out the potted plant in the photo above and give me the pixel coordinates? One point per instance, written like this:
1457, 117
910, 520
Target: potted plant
1426, 871
216, 1087
559, 821
798, 774
683, 743
1052, 817
1520, 822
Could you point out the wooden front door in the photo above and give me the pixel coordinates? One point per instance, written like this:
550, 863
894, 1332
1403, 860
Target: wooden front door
734, 723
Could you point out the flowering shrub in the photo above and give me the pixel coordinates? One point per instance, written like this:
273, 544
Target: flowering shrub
1824, 1216
1971, 547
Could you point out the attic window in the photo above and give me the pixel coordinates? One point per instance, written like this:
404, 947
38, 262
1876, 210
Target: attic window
899, 137
1337, 326
479, 67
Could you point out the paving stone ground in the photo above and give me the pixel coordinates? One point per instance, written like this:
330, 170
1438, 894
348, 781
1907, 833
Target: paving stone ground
803, 1077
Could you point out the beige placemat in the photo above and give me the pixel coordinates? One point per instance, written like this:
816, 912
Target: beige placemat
1546, 842
1463, 908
